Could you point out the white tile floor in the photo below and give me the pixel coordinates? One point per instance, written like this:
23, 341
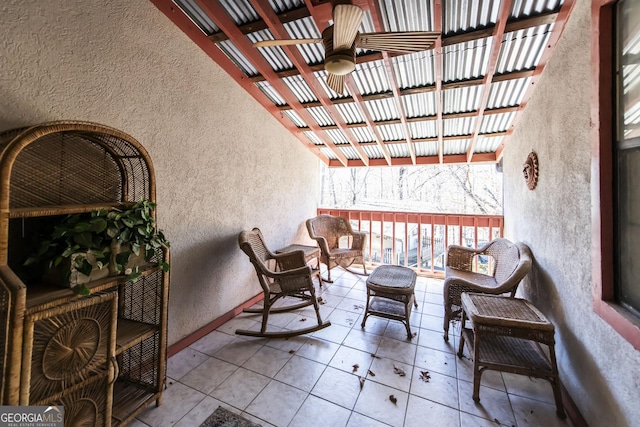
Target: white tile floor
311, 380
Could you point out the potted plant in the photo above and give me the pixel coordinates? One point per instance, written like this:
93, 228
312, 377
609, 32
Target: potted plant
87, 246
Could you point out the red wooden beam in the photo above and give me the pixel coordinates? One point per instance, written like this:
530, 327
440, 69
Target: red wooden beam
498, 33
272, 20
211, 49
437, 26
219, 15
558, 28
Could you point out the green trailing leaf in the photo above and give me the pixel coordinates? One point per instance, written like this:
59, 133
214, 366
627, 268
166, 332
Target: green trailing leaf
81, 290
112, 232
122, 259
32, 260
85, 267
84, 239
135, 248
81, 227
98, 225
128, 222
165, 266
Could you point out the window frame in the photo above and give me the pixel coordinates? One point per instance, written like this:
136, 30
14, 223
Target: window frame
603, 132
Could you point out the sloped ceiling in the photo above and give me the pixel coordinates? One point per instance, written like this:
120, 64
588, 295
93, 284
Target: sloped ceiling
455, 103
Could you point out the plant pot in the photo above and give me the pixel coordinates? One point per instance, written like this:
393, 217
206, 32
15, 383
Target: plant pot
67, 275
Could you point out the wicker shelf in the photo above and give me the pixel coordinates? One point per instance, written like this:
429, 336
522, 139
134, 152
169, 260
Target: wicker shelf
59, 210
131, 333
128, 398
39, 295
119, 330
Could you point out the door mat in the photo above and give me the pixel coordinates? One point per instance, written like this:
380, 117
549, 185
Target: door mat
224, 418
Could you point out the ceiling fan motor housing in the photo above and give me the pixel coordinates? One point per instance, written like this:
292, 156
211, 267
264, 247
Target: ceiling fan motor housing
339, 62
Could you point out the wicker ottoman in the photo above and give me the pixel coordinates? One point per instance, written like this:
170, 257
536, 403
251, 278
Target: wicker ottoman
390, 294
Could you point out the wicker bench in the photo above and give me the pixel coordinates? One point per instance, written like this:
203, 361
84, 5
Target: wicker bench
390, 294
506, 336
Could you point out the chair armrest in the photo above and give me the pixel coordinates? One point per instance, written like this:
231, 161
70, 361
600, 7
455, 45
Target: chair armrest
461, 257
322, 243
359, 239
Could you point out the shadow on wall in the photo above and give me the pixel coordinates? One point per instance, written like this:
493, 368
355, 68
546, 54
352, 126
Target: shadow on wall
579, 374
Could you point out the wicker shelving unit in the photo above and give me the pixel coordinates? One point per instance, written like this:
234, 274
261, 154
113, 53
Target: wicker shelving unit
102, 356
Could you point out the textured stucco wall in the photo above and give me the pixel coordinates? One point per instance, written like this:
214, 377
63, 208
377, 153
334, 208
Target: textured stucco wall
222, 163
599, 368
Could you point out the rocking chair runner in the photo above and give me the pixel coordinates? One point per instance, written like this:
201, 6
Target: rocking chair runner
327, 230
280, 275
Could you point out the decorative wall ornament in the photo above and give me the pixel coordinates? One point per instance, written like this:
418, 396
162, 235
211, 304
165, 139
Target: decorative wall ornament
530, 170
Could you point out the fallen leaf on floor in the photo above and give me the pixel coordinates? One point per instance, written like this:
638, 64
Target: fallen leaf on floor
358, 307
304, 319
355, 367
425, 376
376, 356
350, 322
413, 335
393, 399
361, 381
291, 351
371, 373
399, 371
445, 363
320, 300
532, 411
495, 420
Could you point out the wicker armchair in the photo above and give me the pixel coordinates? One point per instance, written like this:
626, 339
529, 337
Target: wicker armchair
512, 261
327, 230
280, 275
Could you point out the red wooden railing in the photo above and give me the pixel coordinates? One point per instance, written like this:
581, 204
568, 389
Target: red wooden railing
419, 240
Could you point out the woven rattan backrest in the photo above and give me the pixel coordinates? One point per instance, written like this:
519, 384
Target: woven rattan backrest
506, 256
332, 228
252, 244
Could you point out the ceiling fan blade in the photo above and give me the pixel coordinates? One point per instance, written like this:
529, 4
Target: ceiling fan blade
346, 21
336, 82
400, 42
285, 42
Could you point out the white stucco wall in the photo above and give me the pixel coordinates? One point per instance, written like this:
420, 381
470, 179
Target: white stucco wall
598, 367
223, 164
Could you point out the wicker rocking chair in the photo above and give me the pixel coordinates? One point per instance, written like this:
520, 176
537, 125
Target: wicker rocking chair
512, 261
280, 275
327, 230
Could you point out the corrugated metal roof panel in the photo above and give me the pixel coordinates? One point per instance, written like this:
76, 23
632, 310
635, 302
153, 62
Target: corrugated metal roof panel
466, 60
407, 15
349, 152
455, 146
197, 16
295, 118
337, 136
398, 150
487, 145
496, 122
507, 93
321, 116
271, 93
414, 70
328, 153
382, 109
306, 28
350, 113
238, 58
464, 15
521, 8
284, 5
300, 89
275, 55
240, 11
371, 77
522, 49
462, 99
426, 129
419, 104
322, 78
459, 126
363, 134
373, 151
391, 132
424, 149
313, 137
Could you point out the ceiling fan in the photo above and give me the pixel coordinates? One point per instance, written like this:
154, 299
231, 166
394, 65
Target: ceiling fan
342, 38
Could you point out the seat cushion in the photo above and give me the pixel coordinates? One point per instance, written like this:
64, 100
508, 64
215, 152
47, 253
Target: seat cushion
453, 276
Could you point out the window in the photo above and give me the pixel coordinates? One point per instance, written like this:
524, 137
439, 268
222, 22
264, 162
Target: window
627, 156
615, 190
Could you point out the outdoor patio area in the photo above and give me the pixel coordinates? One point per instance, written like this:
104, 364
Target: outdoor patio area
345, 376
